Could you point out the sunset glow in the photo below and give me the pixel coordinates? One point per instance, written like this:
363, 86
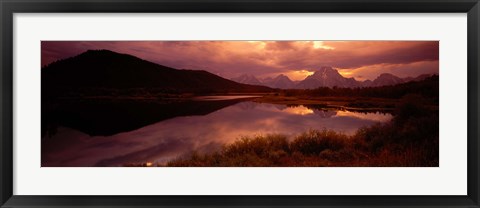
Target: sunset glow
345, 73
296, 59
319, 44
299, 74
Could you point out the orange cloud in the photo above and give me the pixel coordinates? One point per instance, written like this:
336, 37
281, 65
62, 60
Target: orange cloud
359, 59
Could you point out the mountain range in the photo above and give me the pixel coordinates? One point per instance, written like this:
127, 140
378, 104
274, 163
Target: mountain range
96, 70
326, 77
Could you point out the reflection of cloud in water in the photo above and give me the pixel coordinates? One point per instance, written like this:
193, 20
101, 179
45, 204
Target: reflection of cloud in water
171, 138
379, 117
298, 110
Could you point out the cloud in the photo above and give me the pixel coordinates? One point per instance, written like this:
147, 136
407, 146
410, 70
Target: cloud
402, 70
267, 58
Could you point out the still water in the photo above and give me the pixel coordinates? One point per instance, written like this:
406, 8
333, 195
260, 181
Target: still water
167, 139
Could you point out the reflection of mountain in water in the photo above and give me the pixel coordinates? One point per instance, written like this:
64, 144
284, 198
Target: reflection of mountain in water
325, 113
156, 132
247, 105
280, 107
109, 117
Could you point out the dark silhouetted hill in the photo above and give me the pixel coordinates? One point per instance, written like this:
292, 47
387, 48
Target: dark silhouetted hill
95, 69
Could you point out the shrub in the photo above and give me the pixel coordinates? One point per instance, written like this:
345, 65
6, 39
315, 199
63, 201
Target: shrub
313, 142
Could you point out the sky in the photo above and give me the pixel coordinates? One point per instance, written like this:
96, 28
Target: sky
297, 59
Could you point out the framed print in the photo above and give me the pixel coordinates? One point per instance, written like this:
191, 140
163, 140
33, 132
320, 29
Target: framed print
247, 104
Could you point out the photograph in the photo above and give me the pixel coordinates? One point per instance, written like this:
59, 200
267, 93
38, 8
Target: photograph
238, 103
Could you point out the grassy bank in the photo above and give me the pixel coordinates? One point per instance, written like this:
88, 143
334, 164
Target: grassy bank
410, 139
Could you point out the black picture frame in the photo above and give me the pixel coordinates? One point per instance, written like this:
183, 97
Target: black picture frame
9, 7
